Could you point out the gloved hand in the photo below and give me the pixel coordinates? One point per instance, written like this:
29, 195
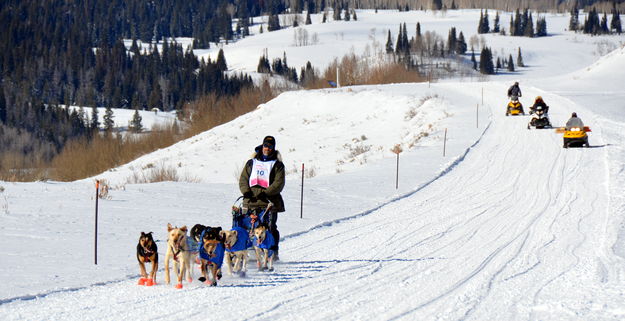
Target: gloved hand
262, 196
248, 194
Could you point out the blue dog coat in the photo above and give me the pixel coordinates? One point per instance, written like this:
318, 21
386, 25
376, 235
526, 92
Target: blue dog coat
219, 252
243, 240
267, 243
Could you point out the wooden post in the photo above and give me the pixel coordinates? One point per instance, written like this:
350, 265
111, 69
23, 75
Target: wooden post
397, 173
445, 142
482, 95
301, 207
397, 149
97, 193
477, 115
338, 83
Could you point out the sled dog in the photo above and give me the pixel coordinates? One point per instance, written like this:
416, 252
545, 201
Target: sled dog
147, 252
211, 253
236, 242
263, 241
180, 252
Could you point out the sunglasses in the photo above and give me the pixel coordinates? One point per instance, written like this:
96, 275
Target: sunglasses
268, 145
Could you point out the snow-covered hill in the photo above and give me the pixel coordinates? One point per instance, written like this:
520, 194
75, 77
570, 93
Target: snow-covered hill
506, 226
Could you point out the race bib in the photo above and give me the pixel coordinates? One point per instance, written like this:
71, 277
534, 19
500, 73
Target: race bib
260, 173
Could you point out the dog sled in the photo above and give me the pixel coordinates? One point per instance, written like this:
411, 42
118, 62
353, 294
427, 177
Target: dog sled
260, 243
248, 219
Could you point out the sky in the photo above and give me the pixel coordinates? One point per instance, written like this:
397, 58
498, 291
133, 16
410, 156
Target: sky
506, 225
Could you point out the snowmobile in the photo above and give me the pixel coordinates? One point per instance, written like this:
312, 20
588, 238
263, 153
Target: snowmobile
514, 108
575, 136
540, 119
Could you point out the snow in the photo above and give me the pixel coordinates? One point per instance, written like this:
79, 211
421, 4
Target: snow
506, 226
123, 117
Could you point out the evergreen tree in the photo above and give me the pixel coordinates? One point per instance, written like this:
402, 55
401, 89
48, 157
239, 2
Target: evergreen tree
263, 65
486, 24
399, 43
529, 27
389, 43
519, 59
354, 17
496, 27
615, 24
135, 123
95, 122
337, 12
512, 26
273, 23
437, 4
541, 27
347, 15
486, 62
404, 41
452, 41
308, 21
604, 24
480, 25
510, 64
155, 100
574, 21
108, 119
498, 65
461, 46
3, 107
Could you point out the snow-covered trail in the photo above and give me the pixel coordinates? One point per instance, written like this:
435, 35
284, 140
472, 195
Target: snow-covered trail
477, 243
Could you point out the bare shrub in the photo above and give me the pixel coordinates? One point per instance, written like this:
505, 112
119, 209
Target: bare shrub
103, 190
310, 172
356, 70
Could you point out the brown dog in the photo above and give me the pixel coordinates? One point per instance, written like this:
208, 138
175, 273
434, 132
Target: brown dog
263, 241
211, 254
147, 252
179, 251
236, 242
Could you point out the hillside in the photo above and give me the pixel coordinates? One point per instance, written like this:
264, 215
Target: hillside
507, 225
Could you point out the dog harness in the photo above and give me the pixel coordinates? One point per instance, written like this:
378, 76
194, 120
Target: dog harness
146, 255
267, 243
218, 259
243, 240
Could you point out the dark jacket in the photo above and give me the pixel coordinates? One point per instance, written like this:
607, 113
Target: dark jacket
276, 183
514, 91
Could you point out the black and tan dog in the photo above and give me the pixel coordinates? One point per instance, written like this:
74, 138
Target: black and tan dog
196, 232
147, 252
211, 253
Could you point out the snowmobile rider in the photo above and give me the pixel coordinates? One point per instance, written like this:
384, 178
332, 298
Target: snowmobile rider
261, 181
514, 92
539, 102
574, 121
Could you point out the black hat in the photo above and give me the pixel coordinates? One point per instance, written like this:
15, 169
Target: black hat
270, 141
574, 115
